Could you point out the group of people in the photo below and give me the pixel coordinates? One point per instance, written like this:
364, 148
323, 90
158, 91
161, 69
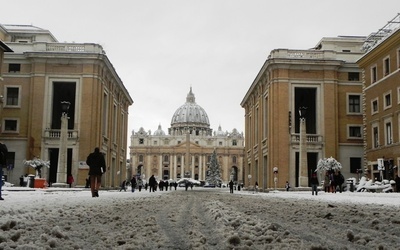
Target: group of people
152, 184
333, 181
133, 183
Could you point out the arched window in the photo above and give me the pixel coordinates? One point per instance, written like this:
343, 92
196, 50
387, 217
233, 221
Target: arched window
140, 158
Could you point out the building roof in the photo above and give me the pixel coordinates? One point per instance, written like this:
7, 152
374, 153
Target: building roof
5, 48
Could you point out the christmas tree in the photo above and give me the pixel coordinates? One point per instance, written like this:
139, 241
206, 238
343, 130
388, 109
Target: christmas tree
214, 173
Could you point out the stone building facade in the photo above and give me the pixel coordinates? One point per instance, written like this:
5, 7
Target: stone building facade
326, 80
37, 77
381, 94
185, 151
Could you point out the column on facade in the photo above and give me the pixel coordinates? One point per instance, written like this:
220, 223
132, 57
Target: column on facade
200, 167
182, 166
149, 171
192, 166
160, 168
174, 175
170, 167
204, 157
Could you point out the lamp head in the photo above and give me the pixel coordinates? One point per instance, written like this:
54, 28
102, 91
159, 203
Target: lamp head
302, 111
65, 106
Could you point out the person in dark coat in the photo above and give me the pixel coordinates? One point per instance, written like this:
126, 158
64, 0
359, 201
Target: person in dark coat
231, 187
140, 184
97, 166
314, 184
397, 180
152, 183
3, 164
123, 186
133, 183
287, 186
87, 184
339, 180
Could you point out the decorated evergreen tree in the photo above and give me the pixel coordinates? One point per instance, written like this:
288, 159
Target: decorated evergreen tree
214, 173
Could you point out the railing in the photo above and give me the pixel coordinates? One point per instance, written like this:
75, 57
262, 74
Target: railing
302, 54
58, 47
310, 138
56, 134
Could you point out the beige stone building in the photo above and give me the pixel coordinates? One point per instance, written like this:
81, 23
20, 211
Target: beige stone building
37, 77
326, 80
381, 91
185, 151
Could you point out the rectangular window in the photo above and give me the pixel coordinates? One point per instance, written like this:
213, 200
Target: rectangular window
234, 143
115, 125
398, 58
375, 137
374, 106
220, 143
386, 66
141, 141
388, 100
12, 96
10, 125
398, 95
14, 67
355, 132
105, 115
354, 76
373, 74
355, 164
388, 128
354, 103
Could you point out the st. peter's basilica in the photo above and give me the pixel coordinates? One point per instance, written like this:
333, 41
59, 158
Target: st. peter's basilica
187, 148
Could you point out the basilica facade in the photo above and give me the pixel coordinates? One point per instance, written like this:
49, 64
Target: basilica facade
185, 151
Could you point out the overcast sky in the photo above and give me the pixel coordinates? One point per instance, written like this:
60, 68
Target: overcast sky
161, 48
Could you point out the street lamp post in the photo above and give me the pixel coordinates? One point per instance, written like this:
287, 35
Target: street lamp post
303, 177
62, 167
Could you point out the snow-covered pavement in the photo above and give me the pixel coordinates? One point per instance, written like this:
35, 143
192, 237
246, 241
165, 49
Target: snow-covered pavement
198, 219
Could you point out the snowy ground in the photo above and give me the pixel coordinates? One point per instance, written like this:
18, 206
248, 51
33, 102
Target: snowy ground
198, 219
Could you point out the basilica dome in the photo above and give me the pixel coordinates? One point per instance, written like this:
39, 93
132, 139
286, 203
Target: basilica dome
159, 131
191, 116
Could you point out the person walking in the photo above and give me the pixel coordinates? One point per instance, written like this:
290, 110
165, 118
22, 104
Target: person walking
3, 164
87, 182
97, 166
314, 184
133, 183
287, 186
123, 186
152, 183
140, 184
231, 187
332, 181
70, 180
397, 181
339, 180
256, 187
327, 182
